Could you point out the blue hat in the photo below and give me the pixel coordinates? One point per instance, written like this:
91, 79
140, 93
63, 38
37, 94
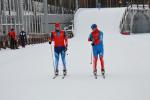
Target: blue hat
94, 26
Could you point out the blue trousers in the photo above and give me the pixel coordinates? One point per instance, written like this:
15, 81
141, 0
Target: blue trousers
60, 51
98, 50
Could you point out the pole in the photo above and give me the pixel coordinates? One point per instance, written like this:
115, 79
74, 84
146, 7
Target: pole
52, 57
91, 57
77, 5
45, 16
22, 13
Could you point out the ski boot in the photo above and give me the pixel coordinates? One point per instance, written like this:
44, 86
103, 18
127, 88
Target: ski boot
56, 72
64, 72
103, 73
95, 73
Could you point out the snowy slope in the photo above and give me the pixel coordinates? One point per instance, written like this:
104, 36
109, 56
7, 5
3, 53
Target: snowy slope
26, 74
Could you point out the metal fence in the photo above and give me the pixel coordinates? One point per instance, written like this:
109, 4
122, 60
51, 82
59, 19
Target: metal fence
31, 15
27, 14
136, 19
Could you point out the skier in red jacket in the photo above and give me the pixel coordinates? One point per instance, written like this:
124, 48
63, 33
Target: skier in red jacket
60, 47
13, 40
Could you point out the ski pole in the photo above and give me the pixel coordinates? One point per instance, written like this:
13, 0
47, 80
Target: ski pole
91, 57
52, 55
67, 53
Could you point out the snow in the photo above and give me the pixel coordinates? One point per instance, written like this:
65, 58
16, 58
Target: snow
26, 73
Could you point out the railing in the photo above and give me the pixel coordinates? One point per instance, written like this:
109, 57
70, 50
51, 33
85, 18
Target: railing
132, 7
123, 19
31, 39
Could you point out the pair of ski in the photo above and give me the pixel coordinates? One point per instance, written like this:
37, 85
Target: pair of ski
96, 76
63, 77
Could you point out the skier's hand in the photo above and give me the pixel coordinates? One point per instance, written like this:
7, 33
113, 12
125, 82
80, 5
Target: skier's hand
91, 39
92, 44
66, 47
50, 42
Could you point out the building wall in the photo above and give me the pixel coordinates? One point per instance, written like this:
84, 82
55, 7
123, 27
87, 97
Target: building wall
61, 18
29, 14
109, 3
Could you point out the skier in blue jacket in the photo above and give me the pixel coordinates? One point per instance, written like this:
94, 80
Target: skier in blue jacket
96, 37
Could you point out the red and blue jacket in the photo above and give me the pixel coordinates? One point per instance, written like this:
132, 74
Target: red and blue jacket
59, 37
96, 37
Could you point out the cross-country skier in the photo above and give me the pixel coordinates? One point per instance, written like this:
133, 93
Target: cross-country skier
60, 47
96, 37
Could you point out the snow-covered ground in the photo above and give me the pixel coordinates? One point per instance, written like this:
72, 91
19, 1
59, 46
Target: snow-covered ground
26, 74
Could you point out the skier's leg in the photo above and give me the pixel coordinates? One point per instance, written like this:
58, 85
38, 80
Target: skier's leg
95, 57
102, 66
23, 42
56, 61
16, 44
13, 43
101, 53
63, 59
102, 63
95, 64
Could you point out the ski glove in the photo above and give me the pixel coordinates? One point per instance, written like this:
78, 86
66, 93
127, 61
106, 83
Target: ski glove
92, 44
66, 48
50, 42
91, 39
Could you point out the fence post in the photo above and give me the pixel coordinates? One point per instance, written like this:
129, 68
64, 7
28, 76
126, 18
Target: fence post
45, 16
149, 4
143, 5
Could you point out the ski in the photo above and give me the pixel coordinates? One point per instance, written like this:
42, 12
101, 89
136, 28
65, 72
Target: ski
63, 77
64, 74
95, 76
103, 74
55, 76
